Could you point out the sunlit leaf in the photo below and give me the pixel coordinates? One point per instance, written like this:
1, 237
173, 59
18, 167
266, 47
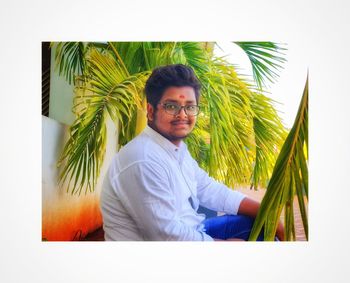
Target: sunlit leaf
287, 181
266, 59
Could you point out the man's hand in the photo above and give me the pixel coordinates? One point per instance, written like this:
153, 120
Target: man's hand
250, 207
280, 231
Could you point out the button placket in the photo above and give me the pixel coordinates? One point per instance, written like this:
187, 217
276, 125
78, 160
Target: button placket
195, 201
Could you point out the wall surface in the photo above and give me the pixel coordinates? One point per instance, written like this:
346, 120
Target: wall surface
65, 216
61, 96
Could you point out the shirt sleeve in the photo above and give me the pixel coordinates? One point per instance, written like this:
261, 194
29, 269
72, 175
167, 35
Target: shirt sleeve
145, 190
215, 195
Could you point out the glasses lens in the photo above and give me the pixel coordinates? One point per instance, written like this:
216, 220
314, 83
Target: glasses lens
175, 109
172, 108
192, 110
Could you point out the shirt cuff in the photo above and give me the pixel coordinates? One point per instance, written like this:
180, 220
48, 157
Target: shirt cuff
206, 237
233, 200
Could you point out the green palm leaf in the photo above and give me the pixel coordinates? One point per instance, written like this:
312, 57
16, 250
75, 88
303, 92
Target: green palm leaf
269, 135
106, 91
84, 151
192, 54
289, 179
216, 140
226, 101
266, 59
70, 59
236, 130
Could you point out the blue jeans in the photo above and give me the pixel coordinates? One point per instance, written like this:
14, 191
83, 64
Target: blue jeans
230, 226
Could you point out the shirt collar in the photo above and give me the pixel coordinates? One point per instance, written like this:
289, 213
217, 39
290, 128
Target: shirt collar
172, 149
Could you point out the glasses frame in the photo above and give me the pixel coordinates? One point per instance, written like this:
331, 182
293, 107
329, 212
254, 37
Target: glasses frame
181, 107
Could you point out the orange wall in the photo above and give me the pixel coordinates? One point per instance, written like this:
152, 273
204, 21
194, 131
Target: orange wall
67, 220
67, 217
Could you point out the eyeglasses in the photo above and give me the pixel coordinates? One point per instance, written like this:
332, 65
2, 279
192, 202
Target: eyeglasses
175, 109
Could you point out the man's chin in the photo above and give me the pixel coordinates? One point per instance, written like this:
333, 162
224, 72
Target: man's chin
177, 136
181, 134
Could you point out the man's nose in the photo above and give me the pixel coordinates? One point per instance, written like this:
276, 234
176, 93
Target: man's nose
182, 113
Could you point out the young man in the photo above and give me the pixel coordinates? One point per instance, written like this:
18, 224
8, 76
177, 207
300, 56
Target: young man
154, 187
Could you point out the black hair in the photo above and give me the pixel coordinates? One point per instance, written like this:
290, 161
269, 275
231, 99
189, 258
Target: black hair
168, 76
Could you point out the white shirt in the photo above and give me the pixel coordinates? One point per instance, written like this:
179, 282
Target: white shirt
153, 189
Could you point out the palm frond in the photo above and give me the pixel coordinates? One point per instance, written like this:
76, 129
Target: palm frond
289, 179
269, 135
226, 102
229, 108
198, 142
106, 91
84, 151
266, 58
70, 59
142, 56
192, 54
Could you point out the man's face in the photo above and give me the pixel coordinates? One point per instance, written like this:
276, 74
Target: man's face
173, 127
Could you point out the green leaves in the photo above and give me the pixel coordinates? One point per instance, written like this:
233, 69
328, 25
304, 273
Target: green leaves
266, 59
226, 102
289, 180
106, 90
69, 58
269, 135
238, 132
241, 132
84, 151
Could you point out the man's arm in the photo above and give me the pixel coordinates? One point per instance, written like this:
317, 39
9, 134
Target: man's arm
249, 207
217, 196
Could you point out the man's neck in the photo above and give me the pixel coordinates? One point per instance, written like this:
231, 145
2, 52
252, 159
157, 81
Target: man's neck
176, 142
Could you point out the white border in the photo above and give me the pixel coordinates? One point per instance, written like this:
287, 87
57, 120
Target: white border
321, 27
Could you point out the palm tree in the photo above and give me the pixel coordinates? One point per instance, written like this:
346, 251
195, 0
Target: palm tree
289, 180
238, 126
238, 134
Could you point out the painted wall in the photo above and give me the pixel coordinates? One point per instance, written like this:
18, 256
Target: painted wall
64, 216
61, 96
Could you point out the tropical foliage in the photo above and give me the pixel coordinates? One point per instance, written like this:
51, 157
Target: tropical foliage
238, 134
266, 60
289, 180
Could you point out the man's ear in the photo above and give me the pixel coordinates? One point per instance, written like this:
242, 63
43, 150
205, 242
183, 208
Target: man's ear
150, 112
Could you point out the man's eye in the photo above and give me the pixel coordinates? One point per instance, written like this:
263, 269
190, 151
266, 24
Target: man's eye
191, 107
171, 107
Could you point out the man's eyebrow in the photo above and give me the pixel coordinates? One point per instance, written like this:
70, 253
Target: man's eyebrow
176, 101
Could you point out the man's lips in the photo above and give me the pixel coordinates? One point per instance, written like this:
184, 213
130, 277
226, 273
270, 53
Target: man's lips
180, 123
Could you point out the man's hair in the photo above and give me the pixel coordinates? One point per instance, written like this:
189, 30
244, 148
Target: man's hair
167, 76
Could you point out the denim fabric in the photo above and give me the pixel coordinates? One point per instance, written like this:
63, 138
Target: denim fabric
230, 226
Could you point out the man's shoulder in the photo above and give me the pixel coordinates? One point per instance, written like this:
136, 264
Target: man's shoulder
140, 149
